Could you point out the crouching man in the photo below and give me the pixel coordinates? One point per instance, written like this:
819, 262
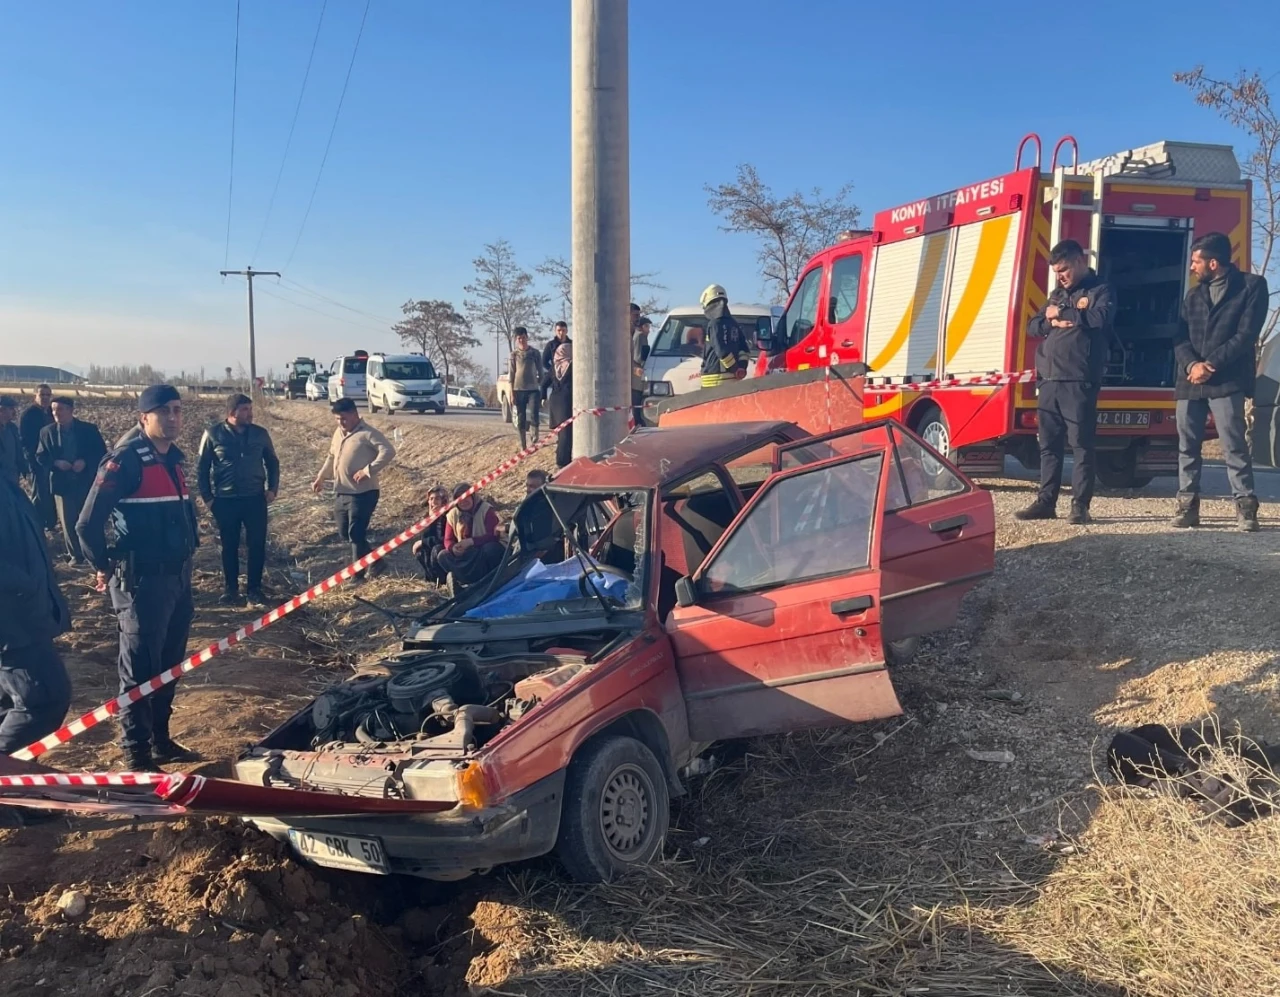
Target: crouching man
472, 544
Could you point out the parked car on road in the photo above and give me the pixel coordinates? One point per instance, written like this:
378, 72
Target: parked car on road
317, 386
347, 376
467, 397
674, 366
405, 383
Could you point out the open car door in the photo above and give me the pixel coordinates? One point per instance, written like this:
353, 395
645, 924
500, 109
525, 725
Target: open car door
779, 628
938, 530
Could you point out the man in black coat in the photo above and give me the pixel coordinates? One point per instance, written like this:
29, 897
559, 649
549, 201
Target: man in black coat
35, 417
13, 458
69, 452
1074, 329
1216, 355
239, 476
35, 691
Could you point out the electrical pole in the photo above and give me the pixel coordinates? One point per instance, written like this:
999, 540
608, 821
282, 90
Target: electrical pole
250, 273
601, 200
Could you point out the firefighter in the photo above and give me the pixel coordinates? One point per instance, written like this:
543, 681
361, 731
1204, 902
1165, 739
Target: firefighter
724, 357
141, 487
1074, 328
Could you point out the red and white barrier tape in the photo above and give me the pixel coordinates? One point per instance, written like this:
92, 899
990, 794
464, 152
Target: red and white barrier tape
130, 696
166, 783
980, 380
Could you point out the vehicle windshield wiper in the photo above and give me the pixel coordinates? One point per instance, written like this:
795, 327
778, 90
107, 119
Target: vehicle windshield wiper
586, 565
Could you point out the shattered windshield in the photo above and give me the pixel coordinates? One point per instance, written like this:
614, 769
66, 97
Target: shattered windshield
578, 551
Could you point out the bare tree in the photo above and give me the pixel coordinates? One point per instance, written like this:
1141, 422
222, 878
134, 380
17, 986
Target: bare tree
437, 330
1245, 102
502, 296
790, 229
560, 272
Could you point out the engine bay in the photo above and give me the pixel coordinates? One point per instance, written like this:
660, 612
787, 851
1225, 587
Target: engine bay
429, 702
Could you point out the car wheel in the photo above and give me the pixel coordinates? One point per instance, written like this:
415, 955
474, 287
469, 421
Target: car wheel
933, 429
616, 810
386, 405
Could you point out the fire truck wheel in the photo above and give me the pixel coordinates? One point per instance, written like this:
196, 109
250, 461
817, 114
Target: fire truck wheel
616, 810
932, 428
1120, 470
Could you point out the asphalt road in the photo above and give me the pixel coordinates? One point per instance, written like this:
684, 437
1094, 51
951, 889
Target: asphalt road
461, 418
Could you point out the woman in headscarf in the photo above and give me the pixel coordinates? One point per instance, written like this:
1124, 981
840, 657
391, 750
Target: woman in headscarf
559, 382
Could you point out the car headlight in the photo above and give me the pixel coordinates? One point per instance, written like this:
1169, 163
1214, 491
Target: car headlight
660, 388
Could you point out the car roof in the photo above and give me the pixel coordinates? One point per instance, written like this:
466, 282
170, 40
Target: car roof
398, 357
651, 458
746, 311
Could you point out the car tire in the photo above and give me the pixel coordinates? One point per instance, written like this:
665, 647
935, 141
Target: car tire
387, 406
616, 810
1120, 471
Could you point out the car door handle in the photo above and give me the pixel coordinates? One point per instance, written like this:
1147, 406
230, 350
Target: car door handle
810, 349
847, 343
949, 524
858, 604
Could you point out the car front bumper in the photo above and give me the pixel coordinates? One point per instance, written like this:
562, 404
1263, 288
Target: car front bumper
450, 845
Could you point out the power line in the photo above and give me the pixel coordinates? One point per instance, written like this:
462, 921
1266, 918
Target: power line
303, 289
231, 177
336, 114
292, 125
317, 311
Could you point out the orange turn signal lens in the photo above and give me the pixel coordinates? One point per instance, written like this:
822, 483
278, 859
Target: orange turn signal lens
475, 788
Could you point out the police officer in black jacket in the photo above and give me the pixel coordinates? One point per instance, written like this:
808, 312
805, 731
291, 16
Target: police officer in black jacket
34, 688
141, 488
239, 476
1074, 328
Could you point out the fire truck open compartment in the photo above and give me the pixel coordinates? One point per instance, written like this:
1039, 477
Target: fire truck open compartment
1146, 266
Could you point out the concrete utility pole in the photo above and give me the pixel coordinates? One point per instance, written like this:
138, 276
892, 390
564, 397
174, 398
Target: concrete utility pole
601, 221
250, 273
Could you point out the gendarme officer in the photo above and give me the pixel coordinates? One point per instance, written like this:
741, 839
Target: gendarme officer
141, 488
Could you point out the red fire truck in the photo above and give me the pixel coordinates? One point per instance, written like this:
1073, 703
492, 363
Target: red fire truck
943, 288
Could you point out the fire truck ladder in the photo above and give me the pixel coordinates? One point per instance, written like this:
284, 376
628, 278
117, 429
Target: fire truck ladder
1056, 197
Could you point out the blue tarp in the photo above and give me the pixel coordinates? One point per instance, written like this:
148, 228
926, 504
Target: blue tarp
542, 583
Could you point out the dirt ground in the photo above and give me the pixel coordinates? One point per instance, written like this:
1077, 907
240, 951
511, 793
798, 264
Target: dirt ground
881, 859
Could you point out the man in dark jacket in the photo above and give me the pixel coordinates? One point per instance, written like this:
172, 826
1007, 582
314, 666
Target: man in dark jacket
1215, 355
142, 489
239, 476
36, 416
1074, 329
560, 336
35, 691
724, 357
13, 457
68, 453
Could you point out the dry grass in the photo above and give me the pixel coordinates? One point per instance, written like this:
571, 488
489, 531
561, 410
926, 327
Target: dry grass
1160, 900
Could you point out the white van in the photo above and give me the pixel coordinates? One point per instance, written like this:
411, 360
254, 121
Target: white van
405, 383
346, 376
674, 366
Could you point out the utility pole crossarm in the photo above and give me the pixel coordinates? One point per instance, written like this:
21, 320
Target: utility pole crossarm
250, 273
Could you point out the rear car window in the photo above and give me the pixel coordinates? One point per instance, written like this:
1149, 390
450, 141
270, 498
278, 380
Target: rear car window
354, 365
685, 335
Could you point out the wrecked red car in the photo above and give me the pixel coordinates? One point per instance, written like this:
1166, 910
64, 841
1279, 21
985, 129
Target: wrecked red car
693, 584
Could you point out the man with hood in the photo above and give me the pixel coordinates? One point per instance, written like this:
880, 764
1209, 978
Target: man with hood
725, 355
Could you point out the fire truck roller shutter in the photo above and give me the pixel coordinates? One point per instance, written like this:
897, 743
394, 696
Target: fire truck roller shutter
906, 306
978, 305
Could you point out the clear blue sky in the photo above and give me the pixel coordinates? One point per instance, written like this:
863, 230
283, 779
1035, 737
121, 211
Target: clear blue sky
115, 127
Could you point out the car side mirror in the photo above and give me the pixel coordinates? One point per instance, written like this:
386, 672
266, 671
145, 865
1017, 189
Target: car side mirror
686, 594
765, 342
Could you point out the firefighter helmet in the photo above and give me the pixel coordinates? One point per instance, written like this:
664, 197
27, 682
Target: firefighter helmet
713, 292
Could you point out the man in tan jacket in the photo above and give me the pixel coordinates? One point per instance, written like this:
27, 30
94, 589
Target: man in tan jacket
357, 455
